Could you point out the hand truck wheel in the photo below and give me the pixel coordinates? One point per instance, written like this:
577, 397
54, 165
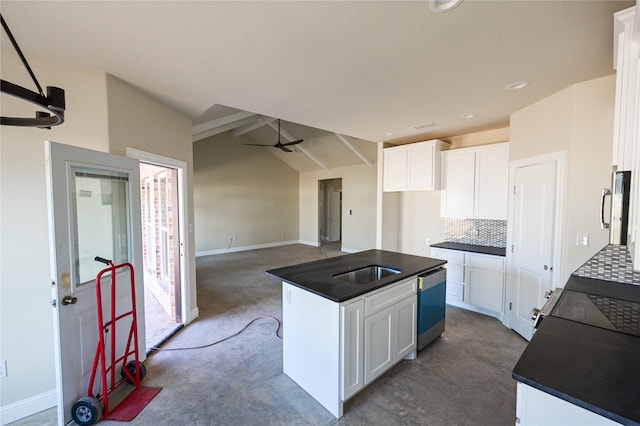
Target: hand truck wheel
131, 368
86, 411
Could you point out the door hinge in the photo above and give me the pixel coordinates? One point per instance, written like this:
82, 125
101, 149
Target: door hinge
511, 248
510, 305
53, 283
514, 190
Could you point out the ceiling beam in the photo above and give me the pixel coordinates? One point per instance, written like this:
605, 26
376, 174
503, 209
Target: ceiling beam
355, 149
222, 124
305, 151
262, 121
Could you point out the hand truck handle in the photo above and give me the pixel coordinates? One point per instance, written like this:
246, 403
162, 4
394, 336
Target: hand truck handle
102, 259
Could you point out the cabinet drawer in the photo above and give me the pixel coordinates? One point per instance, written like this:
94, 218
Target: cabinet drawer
448, 255
455, 291
388, 297
494, 263
455, 272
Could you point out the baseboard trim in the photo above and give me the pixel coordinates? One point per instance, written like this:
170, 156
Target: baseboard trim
244, 248
349, 250
28, 406
309, 243
195, 312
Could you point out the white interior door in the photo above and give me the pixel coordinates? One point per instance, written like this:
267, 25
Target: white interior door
534, 211
94, 210
333, 215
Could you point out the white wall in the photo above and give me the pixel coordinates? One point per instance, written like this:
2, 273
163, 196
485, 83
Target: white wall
578, 119
26, 316
358, 206
242, 192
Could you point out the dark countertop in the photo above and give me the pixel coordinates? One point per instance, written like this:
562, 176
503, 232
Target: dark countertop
592, 367
496, 251
317, 276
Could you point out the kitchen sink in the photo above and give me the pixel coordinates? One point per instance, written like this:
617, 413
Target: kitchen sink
367, 274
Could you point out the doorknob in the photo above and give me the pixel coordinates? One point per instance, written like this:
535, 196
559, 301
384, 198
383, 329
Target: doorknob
69, 300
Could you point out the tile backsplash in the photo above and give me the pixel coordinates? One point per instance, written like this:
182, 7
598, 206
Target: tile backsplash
482, 232
612, 263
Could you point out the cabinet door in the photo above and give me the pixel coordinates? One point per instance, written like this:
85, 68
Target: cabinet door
395, 169
378, 341
458, 183
492, 183
352, 343
485, 288
405, 327
420, 173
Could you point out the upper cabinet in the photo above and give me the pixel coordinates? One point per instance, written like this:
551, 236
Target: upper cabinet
626, 134
626, 57
475, 182
413, 167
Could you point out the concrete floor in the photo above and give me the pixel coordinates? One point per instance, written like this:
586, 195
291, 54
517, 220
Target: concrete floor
463, 378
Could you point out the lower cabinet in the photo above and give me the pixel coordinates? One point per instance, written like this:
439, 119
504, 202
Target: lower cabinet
333, 350
534, 408
474, 281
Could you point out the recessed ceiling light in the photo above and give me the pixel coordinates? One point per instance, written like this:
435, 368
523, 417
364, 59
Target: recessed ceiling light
440, 6
388, 133
517, 85
468, 115
424, 126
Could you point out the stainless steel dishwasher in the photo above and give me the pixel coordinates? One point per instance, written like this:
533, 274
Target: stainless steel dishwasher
432, 286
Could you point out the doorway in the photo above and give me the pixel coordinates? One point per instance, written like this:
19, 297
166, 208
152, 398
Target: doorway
330, 211
161, 253
164, 237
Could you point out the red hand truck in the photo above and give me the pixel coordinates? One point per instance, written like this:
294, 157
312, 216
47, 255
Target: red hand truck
88, 410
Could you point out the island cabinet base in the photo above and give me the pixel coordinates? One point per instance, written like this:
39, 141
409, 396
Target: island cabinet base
333, 350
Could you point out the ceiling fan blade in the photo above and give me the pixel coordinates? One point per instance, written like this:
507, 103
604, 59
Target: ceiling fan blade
285, 149
293, 143
255, 144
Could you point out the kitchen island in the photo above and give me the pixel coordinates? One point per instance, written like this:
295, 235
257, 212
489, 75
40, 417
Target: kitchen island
341, 331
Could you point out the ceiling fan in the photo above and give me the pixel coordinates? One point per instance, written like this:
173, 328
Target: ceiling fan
282, 146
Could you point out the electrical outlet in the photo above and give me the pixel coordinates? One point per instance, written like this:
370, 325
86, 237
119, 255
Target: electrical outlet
3, 369
582, 239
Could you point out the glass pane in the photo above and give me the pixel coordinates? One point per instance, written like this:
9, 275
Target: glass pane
101, 220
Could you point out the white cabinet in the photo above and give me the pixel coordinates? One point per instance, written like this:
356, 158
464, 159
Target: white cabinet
626, 57
333, 350
352, 341
626, 135
475, 182
474, 281
413, 167
379, 347
534, 408
389, 327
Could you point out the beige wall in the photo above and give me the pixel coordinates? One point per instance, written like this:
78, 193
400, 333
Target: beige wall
579, 120
139, 121
243, 192
479, 138
358, 197
26, 315
101, 114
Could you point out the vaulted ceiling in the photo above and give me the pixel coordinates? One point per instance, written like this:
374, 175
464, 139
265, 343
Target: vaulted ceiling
365, 70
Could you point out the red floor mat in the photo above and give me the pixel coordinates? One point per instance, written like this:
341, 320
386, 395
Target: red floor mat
133, 404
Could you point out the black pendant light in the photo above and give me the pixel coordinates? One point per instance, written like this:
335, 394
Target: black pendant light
52, 102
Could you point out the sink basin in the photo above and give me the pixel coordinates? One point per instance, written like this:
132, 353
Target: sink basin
367, 274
